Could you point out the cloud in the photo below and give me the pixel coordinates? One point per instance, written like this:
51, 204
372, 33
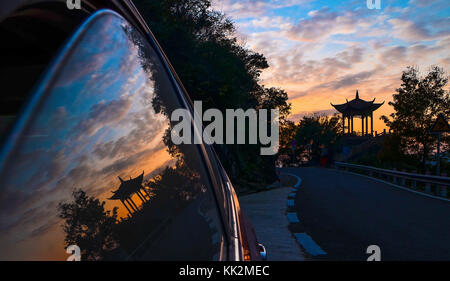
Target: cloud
239, 9
324, 23
292, 66
298, 116
349, 80
423, 3
144, 126
102, 114
393, 54
417, 31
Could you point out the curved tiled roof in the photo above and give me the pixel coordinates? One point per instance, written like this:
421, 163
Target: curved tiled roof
127, 188
357, 106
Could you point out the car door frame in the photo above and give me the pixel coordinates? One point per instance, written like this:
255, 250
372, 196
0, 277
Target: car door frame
131, 15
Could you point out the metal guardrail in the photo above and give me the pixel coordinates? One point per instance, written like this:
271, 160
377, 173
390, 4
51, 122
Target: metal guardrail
437, 185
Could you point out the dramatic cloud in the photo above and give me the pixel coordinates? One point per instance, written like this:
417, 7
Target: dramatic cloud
321, 24
322, 51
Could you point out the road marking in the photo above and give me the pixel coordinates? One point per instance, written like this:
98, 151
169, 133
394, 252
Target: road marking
292, 218
299, 180
309, 245
290, 203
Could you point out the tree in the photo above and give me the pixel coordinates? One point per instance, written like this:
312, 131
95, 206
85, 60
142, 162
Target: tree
288, 130
391, 151
416, 105
89, 226
315, 132
202, 46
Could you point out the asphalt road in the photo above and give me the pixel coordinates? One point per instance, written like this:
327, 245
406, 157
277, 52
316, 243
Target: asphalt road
345, 213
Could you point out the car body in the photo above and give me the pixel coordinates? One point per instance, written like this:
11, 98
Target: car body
87, 167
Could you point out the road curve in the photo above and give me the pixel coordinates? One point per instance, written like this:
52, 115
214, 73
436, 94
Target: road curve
345, 213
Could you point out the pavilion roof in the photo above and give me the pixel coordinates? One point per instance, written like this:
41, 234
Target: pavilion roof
127, 188
357, 106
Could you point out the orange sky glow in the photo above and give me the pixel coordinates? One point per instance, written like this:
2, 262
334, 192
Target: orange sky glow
323, 51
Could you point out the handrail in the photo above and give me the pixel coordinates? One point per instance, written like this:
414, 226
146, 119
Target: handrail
440, 182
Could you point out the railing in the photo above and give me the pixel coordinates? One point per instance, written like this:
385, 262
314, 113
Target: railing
437, 185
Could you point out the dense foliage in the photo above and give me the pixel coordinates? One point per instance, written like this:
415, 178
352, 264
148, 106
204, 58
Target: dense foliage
315, 133
88, 225
214, 68
417, 104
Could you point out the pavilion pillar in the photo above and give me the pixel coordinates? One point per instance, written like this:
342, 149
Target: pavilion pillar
126, 206
348, 124
140, 196
343, 124
367, 124
143, 195
362, 125
351, 130
132, 204
371, 123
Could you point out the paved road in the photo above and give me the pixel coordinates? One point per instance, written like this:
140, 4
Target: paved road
345, 213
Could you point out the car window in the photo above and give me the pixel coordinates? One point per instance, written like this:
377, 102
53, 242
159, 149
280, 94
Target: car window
95, 167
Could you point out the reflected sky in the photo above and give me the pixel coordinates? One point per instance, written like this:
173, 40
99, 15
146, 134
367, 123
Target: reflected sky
97, 123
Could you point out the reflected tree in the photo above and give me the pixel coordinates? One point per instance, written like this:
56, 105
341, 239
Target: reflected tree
89, 226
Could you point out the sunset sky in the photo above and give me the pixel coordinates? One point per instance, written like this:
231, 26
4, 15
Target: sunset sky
322, 51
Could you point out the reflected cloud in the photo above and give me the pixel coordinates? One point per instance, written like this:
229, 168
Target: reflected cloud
105, 117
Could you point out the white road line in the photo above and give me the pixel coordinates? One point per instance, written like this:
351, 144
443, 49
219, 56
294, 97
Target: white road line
299, 180
292, 218
290, 203
309, 245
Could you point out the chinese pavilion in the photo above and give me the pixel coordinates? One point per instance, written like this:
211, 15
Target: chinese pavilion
126, 191
359, 108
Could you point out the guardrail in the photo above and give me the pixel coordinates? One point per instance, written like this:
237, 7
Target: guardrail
437, 185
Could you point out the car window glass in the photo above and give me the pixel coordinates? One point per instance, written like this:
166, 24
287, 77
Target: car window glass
95, 166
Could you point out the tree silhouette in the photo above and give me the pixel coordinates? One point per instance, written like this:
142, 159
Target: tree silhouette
313, 132
89, 226
218, 70
416, 105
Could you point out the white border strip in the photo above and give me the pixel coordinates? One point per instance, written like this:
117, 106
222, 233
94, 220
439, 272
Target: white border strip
290, 203
292, 218
299, 180
309, 245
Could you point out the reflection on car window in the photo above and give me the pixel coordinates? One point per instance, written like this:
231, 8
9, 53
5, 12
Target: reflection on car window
96, 167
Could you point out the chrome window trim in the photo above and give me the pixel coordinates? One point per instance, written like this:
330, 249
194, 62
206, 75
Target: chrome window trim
236, 235
187, 103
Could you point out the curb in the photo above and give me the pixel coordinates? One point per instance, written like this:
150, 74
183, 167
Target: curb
303, 239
